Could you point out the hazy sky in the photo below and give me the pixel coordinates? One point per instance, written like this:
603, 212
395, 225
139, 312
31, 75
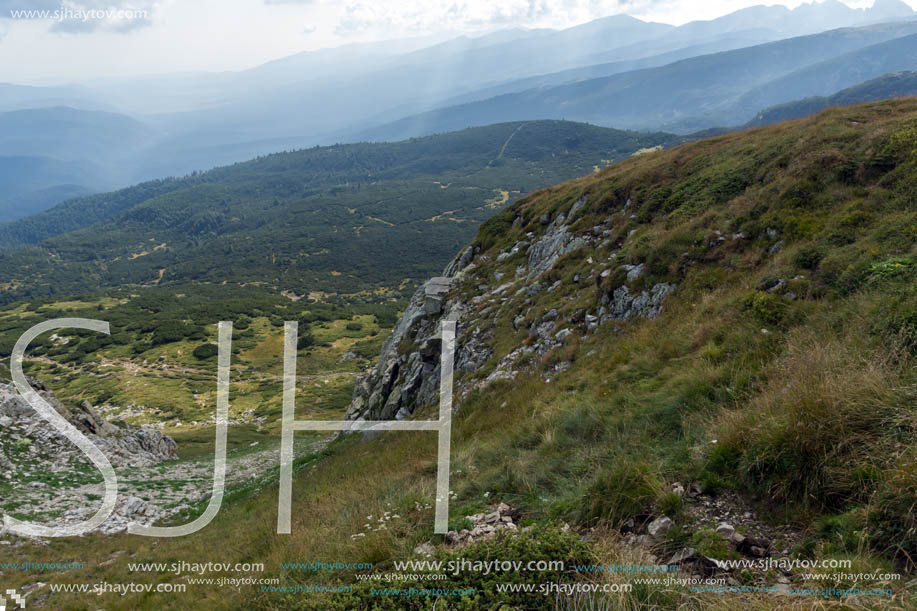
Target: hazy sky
213, 35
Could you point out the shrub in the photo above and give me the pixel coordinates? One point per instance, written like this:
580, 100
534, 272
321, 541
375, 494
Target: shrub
807, 258
304, 339
493, 229
205, 351
766, 307
171, 331
893, 269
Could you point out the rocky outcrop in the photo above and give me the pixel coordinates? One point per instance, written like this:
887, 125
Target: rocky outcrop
22, 428
556, 242
622, 305
408, 371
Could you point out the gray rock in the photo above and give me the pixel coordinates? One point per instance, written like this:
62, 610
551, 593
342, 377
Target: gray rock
645, 541
556, 242
634, 271
577, 206
688, 561
435, 291
725, 530
647, 304
773, 250
132, 507
660, 526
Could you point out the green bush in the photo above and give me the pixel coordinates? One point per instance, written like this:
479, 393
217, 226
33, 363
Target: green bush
305, 339
807, 258
171, 331
766, 307
205, 351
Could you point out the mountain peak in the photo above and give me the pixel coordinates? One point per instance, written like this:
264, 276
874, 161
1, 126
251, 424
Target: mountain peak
890, 8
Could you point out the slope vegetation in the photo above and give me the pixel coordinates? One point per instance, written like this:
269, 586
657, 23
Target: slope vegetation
769, 385
341, 217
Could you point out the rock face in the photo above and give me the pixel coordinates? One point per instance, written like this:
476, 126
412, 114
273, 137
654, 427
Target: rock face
407, 374
21, 426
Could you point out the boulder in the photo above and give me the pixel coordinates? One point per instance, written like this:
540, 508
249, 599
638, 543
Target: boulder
660, 526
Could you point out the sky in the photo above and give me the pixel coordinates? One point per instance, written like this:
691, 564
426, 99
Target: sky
216, 35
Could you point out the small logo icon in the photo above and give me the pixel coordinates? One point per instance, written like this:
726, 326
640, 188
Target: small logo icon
18, 601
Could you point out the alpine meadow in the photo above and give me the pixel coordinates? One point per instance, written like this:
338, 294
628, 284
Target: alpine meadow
477, 306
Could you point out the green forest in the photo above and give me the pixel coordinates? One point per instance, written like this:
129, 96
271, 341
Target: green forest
341, 219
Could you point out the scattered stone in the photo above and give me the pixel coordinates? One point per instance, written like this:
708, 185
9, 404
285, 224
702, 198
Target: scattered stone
725, 530
634, 271
660, 526
690, 561
754, 546
645, 541
424, 549
484, 526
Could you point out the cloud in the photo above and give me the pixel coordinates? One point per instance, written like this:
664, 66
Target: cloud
27, 5
82, 16
412, 16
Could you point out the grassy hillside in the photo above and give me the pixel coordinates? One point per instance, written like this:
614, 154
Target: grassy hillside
894, 85
779, 380
345, 217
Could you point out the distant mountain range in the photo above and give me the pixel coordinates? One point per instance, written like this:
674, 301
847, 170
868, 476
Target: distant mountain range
692, 94
47, 153
616, 71
895, 85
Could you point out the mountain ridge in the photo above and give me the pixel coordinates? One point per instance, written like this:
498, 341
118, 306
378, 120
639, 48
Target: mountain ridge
647, 97
325, 215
